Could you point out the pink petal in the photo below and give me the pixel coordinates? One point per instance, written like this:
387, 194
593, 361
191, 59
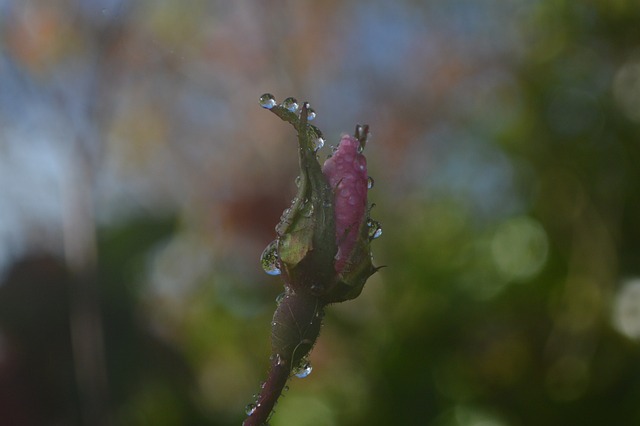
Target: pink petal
346, 171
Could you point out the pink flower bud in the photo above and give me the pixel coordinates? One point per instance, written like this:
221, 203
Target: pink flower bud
322, 249
323, 244
346, 172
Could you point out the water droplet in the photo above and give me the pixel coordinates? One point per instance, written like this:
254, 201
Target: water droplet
370, 182
280, 297
298, 180
290, 104
263, 384
269, 259
375, 230
316, 288
311, 114
283, 216
318, 143
280, 361
250, 409
308, 210
267, 101
359, 149
304, 370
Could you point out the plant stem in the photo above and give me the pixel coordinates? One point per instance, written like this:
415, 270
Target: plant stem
278, 375
294, 330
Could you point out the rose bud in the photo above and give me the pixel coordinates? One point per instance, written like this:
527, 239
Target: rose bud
323, 244
322, 247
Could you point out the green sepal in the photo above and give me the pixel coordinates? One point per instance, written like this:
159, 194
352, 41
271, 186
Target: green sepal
306, 232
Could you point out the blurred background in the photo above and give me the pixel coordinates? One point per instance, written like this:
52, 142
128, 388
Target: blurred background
140, 181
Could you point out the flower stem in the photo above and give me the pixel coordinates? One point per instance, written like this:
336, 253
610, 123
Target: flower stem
294, 330
271, 390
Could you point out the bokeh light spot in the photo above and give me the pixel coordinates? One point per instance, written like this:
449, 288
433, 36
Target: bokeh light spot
519, 248
626, 309
626, 89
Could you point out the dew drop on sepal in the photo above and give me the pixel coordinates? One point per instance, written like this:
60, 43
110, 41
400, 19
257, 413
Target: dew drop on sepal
375, 230
290, 104
269, 259
282, 224
308, 209
376, 234
370, 182
267, 101
318, 143
311, 114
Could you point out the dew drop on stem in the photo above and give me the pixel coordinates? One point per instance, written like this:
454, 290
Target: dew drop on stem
304, 370
370, 182
250, 409
279, 360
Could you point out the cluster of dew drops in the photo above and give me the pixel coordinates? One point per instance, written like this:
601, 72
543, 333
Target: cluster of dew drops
268, 101
269, 259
